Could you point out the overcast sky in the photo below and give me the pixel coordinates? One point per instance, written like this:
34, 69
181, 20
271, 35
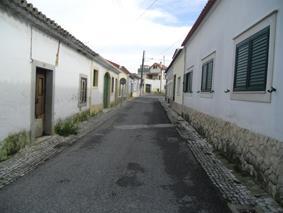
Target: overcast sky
120, 30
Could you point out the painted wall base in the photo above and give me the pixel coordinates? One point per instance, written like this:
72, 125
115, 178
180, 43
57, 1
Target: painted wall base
96, 108
255, 154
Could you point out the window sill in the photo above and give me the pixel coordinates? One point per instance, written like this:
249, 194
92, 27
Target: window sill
206, 95
188, 94
82, 104
254, 96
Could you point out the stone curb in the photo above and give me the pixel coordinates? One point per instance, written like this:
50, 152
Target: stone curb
32, 156
237, 195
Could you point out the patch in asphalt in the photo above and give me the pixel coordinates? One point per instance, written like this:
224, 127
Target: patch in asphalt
143, 126
131, 178
135, 167
66, 180
126, 181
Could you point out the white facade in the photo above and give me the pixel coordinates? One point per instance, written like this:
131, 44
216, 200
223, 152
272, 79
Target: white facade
155, 79
23, 48
169, 84
241, 20
134, 86
123, 88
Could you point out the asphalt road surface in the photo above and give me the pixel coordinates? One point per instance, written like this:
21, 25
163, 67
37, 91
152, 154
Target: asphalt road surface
134, 163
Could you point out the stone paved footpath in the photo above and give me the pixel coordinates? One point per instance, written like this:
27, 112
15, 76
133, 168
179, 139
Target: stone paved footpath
46, 147
232, 190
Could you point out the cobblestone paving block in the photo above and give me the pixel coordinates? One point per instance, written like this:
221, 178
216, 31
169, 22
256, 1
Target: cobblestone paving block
223, 179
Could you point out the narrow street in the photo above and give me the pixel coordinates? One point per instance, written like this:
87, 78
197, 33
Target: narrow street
136, 162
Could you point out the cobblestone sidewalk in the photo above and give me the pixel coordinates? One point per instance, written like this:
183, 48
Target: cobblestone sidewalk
239, 198
46, 147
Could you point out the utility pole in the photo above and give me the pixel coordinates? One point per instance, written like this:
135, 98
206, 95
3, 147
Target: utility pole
141, 86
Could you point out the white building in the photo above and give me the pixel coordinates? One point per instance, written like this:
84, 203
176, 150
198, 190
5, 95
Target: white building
174, 76
134, 85
46, 73
154, 79
234, 83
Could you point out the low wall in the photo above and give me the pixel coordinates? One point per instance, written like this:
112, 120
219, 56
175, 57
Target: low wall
255, 154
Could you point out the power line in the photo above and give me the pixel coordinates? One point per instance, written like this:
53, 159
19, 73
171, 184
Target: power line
170, 46
144, 11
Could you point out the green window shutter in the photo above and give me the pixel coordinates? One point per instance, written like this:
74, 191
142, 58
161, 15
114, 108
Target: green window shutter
241, 67
209, 76
203, 77
252, 62
185, 83
190, 79
259, 61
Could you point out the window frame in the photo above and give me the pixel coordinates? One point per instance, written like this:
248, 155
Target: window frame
188, 85
208, 58
248, 42
112, 85
83, 102
256, 96
95, 78
205, 88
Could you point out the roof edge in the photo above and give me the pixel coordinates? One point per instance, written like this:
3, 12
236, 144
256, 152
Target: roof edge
199, 20
25, 10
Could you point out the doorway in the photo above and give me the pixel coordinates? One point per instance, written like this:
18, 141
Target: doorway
106, 91
148, 88
43, 102
174, 87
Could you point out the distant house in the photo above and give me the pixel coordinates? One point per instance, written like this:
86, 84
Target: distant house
134, 85
46, 73
154, 79
122, 86
175, 79
145, 69
233, 83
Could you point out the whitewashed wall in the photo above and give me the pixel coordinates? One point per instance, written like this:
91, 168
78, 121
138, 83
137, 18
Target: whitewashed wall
20, 44
97, 92
216, 34
15, 72
178, 70
155, 84
123, 88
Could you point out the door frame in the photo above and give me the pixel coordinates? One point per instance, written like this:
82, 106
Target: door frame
49, 94
174, 88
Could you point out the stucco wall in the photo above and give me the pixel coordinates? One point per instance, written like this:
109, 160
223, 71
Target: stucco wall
97, 91
247, 132
178, 70
21, 47
155, 84
15, 68
264, 118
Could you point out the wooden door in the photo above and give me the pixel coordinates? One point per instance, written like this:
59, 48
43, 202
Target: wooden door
40, 94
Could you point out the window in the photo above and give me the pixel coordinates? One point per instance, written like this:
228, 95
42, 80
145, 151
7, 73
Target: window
112, 85
188, 78
95, 78
251, 62
178, 86
206, 78
83, 91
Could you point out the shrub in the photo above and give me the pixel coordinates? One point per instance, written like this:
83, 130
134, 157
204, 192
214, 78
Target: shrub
66, 128
82, 116
12, 144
